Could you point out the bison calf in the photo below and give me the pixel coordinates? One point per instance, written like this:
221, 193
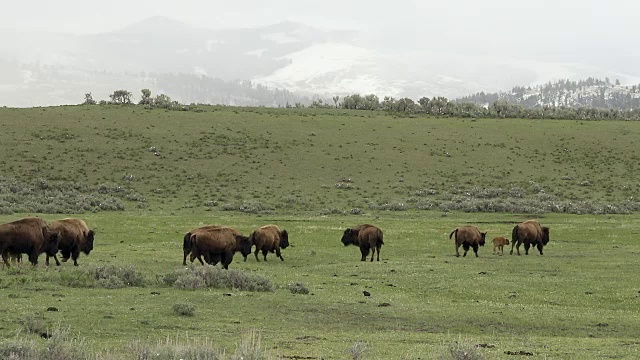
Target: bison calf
367, 237
75, 237
530, 233
498, 244
269, 238
468, 237
29, 236
219, 244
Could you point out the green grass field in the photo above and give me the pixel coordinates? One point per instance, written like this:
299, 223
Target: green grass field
581, 300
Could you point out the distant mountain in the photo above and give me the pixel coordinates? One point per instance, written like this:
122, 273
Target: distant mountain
299, 60
593, 93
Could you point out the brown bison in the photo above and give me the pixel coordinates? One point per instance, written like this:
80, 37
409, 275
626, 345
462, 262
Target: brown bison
468, 237
14, 258
75, 237
529, 233
498, 244
219, 244
366, 237
269, 238
29, 236
187, 247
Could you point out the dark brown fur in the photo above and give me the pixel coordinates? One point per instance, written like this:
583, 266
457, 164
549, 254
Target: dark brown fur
530, 233
13, 258
468, 237
75, 237
366, 237
219, 243
29, 236
498, 244
186, 244
269, 238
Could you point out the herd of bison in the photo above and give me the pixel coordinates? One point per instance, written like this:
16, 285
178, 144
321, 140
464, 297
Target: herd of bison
33, 236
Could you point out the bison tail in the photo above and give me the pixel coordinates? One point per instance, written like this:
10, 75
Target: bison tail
381, 237
186, 244
514, 235
252, 238
453, 232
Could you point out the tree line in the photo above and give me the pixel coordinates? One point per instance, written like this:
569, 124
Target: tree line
441, 106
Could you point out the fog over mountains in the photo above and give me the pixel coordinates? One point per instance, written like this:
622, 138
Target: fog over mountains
192, 64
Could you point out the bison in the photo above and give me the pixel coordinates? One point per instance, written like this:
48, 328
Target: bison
498, 244
219, 244
14, 258
75, 237
187, 246
468, 237
366, 237
31, 236
529, 233
269, 238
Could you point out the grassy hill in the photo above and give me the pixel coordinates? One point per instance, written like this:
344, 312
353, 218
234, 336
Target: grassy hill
313, 161
166, 172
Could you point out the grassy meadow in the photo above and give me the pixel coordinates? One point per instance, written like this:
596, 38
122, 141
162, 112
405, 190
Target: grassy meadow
142, 178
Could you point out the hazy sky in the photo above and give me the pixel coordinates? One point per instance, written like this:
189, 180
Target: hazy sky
559, 29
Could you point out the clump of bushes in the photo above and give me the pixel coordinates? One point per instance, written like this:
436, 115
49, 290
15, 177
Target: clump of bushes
62, 197
108, 276
60, 344
194, 278
298, 288
184, 309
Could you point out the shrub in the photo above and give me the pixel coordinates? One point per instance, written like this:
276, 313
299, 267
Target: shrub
109, 276
461, 350
172, 349
194, 278
112, 275
358, 350
250, 347
19, 348
184, 309
298, 288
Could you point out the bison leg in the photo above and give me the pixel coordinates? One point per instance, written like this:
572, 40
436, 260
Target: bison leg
475, 249
226, 258
184, 260
5, 256
517, 248
65, 255
540, 248
513, 243
526, 248
256, 253
364, 251
74, 256
264, 254
457, 251
194, 256
279, 254
46, 260
465, 246
33, 258
378, 247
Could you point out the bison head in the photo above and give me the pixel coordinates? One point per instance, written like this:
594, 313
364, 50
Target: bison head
506, 241
483, 236
245, 245
51, 241
349, 237
284, 239
545, 235
88, 242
